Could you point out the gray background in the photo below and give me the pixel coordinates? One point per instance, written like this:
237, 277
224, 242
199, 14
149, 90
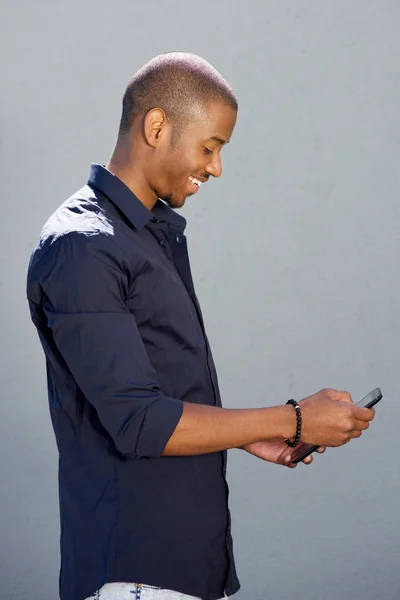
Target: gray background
295, 255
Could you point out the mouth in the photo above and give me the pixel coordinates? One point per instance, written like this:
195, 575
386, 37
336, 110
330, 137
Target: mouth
194, 184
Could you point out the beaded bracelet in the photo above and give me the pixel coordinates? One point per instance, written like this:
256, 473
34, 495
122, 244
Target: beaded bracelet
298, 426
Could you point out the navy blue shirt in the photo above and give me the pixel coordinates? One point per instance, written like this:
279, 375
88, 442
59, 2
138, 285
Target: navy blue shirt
111, 294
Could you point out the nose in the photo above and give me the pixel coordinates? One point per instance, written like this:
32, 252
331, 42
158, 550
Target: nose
214, 167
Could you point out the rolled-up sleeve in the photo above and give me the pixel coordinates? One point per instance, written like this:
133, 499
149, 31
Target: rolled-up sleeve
86, 281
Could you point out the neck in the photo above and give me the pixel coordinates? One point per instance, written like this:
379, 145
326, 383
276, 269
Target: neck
126, 165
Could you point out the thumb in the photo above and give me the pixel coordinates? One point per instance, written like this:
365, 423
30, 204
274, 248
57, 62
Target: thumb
284, 457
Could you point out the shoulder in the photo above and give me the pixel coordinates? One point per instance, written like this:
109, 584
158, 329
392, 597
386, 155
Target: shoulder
80, 214
78, 231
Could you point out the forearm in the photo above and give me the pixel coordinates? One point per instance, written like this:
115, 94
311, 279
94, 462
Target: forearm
203, 429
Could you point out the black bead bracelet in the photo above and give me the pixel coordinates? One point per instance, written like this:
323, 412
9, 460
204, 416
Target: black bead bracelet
298, 426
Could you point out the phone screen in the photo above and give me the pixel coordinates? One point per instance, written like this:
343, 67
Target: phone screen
370, 399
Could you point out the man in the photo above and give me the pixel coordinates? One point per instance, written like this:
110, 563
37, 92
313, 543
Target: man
132, 386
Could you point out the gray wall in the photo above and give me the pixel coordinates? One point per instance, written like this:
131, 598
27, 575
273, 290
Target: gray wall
295, 254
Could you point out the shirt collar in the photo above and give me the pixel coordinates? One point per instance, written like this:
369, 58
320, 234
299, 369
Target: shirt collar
128, 203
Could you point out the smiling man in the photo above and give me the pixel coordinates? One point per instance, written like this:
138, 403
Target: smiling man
132, 386
178, 113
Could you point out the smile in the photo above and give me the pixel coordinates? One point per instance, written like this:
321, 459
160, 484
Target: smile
195, 181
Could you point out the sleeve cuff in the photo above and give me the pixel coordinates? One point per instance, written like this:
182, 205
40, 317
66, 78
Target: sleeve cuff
162, 417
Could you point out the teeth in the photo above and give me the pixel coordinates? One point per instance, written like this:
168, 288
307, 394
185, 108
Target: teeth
196, 181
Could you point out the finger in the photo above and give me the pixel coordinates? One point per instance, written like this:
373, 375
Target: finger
356, 434
361, 425
288, 462
307, 460
321, 449
363, 414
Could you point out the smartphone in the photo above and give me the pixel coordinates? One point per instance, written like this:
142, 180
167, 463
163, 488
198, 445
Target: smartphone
367, 402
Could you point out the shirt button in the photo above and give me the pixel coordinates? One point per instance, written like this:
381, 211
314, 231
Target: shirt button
162, 243
178, 239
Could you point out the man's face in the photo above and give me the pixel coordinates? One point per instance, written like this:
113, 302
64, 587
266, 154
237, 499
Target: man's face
196, 155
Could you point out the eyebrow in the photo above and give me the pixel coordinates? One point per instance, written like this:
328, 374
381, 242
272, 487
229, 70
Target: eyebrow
219, 140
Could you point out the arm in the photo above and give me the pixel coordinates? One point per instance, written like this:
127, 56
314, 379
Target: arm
84, 282
330, 418
203, 429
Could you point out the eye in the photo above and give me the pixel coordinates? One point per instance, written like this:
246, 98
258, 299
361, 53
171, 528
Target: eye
207, 150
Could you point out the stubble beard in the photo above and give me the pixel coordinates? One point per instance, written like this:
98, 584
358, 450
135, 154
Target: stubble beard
171, 202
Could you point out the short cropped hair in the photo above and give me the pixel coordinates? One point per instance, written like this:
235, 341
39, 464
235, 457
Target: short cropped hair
179, 83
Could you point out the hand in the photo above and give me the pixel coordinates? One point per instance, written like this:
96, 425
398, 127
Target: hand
277, 452
330, 418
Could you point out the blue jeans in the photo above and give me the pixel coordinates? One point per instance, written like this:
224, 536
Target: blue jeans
134, 591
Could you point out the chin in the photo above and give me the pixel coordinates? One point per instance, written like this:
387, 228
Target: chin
173, 202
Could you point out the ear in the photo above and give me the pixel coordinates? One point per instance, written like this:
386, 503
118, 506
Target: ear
155, 126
